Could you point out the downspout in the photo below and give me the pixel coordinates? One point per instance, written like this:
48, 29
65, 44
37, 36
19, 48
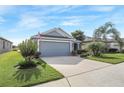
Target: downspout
38, 45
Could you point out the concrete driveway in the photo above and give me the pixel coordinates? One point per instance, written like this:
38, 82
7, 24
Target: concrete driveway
73, 65
85, 73
112, 76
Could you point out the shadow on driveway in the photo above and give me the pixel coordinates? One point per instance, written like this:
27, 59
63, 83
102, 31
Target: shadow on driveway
63, 60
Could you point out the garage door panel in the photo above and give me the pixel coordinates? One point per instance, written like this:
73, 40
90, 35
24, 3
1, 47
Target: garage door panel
54, 48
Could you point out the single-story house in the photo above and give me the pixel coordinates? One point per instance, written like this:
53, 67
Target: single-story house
56, 42
112, 44
5, 45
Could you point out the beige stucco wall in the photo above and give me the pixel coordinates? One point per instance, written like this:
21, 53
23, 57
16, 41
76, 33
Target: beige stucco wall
114, 45
111, 45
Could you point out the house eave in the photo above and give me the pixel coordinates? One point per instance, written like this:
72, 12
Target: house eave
54, 36
5, 40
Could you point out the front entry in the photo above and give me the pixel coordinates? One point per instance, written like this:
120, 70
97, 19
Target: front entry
75, 46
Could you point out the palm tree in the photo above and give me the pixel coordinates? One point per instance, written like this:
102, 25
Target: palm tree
105, 30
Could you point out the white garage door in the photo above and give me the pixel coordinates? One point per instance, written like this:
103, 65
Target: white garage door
54, 48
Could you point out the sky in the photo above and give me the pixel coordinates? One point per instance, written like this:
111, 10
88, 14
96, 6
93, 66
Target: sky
18, 23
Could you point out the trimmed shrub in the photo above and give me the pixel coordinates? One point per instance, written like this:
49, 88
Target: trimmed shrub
15, 49
78, 51
84, 55
96, 48
122, 51
81, 51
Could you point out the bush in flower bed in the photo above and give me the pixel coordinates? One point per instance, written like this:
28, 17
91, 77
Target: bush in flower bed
81, 51
28, 50
84, 54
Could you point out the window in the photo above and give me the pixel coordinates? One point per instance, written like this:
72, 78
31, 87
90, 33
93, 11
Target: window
7, 44
116, 45
3, 44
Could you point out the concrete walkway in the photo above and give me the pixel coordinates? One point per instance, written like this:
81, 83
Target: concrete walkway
85, 72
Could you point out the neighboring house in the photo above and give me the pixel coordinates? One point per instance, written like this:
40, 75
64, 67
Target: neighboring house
56, 42
112, 44
5, 45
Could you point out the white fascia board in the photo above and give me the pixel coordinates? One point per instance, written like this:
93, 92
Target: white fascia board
52, 38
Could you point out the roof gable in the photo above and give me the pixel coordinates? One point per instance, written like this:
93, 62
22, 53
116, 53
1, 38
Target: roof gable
57, 32
53, 33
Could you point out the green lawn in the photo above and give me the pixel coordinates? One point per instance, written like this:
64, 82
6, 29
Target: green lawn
114, 58
10, 76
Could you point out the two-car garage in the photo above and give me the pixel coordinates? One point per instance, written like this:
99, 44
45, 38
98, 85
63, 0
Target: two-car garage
51, 48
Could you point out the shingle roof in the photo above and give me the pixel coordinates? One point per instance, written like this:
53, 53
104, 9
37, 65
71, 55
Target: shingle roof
5, 39
54, 29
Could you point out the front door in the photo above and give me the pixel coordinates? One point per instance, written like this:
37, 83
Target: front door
75, 46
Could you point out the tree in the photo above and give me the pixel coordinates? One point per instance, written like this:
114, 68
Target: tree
103, 31
96, 48
78, 35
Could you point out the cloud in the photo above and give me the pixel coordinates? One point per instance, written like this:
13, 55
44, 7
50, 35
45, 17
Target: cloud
71, 23
4, 9
31, 22
83, 17
16, 41
2, 20
57, 9
117, 17
66, 8
77, 20
51, 9
101, 8
28, 22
